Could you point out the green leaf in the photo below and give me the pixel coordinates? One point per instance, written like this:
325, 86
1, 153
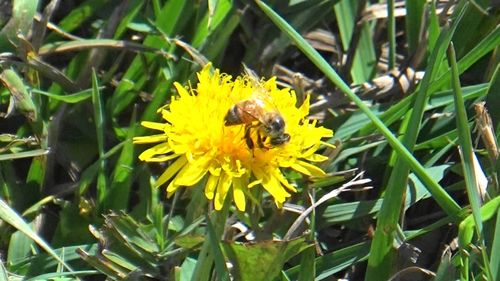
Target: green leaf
334, 262
79, 45
381, 260
467, 156
446, 270
73, 225
21, 20
210, 22
22, 99
495, 251
466, 231
133, 9
189, 241
187, 269
99, 125
24, 154
20, 246
3, 273
131, 232
60, 275
442, 198
493, 99
345, 212
364, 60
72, 98
117, 197
413, 19
11, 217
80, 14
220, 262
262, 260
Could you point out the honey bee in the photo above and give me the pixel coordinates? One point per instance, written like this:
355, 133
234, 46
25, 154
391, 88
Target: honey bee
255, 113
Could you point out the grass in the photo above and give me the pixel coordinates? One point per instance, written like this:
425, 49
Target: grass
409, 175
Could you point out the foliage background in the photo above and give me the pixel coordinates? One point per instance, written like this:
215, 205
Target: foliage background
79, 76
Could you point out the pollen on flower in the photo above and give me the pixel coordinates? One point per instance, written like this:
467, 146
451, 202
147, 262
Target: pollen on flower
197, 138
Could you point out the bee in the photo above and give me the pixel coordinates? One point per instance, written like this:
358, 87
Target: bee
257, 113
269, 124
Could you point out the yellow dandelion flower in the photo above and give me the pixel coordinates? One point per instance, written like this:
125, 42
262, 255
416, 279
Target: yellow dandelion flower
199, 142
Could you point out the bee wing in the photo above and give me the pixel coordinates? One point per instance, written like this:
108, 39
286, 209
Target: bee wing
260, 93
254, 110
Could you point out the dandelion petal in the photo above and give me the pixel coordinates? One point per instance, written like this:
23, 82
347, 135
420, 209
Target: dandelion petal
171, 171
154, 125
211, 186
161, 148
222, 188
238, 194
193, 172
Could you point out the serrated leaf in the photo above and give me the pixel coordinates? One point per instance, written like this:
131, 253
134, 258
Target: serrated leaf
189, 241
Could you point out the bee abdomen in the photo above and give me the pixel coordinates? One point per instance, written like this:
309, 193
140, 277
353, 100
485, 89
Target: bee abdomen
233, 117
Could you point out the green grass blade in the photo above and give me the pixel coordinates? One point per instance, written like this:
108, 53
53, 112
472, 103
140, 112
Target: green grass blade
443, 199
395, 113
495, 251
474, 24
205, 29
80, 45
19, 94
466, 233
3, 273
391, 33
493, 99
119, 189
485, 46
89, 174
413, 21
220, 265
307, 264
80, 14
133, 8
61, 275
465, 141
169, 18
336, 261
72, 98
381, 260
210, 252
364, 55
98, 114
19, 23
24, 154
433, 28
99, 125
11, 217
203, 263
216, 48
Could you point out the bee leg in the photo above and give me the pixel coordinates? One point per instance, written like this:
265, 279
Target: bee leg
260, 140
248, 137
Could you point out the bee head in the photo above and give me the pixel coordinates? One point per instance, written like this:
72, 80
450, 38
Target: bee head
274, 125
